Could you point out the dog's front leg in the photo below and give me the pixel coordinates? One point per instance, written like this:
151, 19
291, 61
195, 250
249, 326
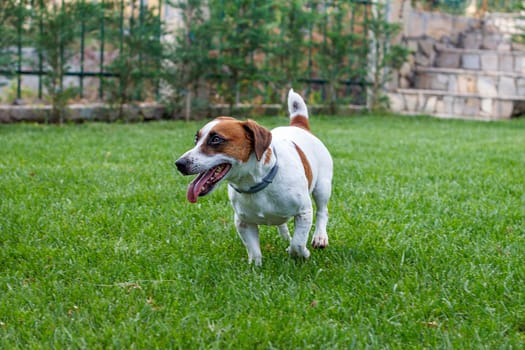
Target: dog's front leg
303, 223
249, 234
284, 232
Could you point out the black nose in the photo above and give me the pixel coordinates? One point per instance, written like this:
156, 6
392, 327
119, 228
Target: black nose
182, 165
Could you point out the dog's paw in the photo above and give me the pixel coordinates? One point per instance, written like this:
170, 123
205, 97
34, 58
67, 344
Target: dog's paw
283, 231
320, 241
256, 260
298, 251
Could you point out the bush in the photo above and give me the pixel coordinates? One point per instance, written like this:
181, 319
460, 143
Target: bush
248, 52
137, 66
10, 17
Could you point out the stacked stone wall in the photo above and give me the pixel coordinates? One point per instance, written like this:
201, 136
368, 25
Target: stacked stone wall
460, 66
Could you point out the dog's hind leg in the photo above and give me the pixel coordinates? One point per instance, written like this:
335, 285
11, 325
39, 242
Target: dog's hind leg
303, 224
249, 234
284, 232
321, 196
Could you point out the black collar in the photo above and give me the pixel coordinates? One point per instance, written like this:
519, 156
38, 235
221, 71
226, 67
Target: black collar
264, 183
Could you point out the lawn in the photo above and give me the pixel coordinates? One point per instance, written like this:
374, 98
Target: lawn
100, 249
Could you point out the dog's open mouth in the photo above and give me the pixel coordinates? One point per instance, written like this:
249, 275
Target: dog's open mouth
206, 181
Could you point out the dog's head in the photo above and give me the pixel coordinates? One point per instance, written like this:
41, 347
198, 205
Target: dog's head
220, 146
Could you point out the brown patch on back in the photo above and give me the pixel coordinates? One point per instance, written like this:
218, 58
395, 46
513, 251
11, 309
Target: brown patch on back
300, 122
306, 165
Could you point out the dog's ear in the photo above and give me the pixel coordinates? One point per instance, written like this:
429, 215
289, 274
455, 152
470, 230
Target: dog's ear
259, 136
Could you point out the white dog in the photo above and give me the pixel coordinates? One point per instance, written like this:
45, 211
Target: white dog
270, 175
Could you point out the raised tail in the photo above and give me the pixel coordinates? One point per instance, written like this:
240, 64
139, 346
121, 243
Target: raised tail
298, 111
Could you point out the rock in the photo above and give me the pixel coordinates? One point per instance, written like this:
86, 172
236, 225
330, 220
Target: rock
458, 106
430, 104
404, 83
448, 101
503, 109
470, 61
520, 86
415, 25
427, 48
489, 61
405, 70
422, 60
491, 41
424, 81
471, 107
397, 102
506, 63
467, 84
411, 103
519, 64
440, 107
471, 41
507, 86
440, 82
504, 46
486, 106
487, 86
439, 25
448, 60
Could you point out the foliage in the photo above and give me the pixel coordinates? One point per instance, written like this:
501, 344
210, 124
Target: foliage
285, 64
520, 37
263, 49
237, 51
55, 39
99, 248
187, 61
342, 53
10, 17
384, 57
241, 31
138, 64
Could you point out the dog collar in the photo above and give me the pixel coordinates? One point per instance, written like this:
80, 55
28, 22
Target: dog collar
264, 183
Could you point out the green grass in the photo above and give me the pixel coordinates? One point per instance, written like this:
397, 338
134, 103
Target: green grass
100, 249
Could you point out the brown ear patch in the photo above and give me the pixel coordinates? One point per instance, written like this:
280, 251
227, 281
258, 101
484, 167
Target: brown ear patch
300, 122
306, 165
259, 136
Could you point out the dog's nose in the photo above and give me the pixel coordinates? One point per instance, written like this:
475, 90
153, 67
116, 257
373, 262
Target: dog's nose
182, 166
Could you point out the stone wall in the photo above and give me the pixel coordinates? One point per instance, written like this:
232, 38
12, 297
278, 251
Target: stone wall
460, 66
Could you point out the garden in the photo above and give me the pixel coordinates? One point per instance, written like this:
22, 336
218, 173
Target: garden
100, 249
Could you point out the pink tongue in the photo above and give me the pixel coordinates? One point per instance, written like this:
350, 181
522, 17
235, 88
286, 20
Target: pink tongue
196, 185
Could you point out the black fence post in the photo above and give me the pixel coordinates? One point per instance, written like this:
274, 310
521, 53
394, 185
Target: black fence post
101, 63
82, 48
19, 53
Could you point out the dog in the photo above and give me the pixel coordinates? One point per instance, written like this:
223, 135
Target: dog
271, 175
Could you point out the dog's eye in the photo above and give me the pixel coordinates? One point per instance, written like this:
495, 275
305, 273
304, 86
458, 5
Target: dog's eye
196, 138
215, 140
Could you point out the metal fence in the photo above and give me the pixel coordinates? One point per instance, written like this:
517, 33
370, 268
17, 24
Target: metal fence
101, 33
87, 66
92, 51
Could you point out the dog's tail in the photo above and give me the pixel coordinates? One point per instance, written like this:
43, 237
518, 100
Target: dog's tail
298, 111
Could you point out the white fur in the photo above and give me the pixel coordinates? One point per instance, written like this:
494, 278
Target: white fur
299, 108
288, 196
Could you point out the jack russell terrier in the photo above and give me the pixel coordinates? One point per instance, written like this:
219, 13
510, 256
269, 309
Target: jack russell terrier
270, 175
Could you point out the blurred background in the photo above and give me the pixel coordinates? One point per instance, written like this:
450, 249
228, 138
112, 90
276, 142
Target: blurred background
189, 56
